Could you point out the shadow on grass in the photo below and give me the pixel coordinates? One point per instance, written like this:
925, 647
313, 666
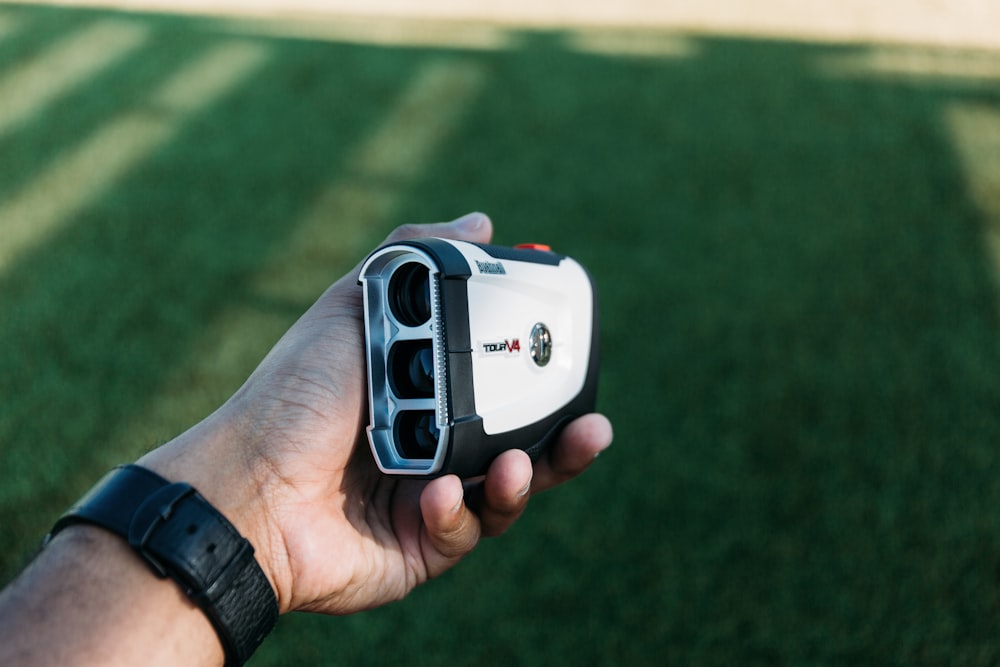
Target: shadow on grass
800, 335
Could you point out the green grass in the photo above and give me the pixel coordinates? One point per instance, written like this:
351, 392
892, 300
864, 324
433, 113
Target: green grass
801, 345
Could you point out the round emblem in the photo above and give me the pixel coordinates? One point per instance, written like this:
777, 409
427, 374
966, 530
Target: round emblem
540, 344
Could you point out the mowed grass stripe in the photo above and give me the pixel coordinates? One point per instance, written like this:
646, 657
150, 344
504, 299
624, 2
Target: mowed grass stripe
975, 130
894, 62
9, 24
82, 173
377, 174
67, 64
329, 238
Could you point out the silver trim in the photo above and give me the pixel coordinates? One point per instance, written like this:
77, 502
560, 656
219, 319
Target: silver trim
540, 344
382, 330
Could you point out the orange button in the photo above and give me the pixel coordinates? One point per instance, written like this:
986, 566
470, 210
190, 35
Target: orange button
533, 246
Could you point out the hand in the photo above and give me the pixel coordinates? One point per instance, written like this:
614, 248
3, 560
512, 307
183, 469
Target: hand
287, 461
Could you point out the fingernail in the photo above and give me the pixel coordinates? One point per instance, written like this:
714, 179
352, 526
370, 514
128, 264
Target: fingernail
470, 222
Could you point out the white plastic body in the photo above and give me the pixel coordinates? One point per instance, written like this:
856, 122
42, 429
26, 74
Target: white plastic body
511, 390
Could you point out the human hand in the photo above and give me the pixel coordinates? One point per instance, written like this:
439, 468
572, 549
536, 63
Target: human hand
286, 460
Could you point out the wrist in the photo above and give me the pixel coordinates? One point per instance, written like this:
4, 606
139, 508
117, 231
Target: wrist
213, 457
181, 536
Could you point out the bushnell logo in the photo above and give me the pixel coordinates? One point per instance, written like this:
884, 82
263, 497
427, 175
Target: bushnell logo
491, 268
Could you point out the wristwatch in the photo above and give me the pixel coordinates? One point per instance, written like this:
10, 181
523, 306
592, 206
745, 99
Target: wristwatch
181, 535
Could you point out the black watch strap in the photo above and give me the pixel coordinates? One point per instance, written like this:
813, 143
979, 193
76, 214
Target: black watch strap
181, 536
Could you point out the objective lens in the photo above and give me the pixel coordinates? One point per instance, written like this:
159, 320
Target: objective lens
417, 434
411, 369
410, 294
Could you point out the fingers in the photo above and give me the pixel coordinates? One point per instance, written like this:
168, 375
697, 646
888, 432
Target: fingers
455, 519
577, 447
474, 227
501, 497
491, 506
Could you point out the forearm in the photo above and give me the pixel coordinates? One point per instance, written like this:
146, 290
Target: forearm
89, 599
85, 582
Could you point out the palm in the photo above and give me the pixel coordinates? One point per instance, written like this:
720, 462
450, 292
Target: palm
341, 504
373, 524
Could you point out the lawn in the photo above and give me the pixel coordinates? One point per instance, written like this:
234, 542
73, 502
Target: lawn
800, 331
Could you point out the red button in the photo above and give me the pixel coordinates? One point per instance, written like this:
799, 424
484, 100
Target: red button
533, 246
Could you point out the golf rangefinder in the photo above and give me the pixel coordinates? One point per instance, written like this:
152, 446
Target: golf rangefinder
472, 350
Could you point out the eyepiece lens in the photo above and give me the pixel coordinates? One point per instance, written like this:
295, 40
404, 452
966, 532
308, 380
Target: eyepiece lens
422, 370
410, 294
417, 434
411, 369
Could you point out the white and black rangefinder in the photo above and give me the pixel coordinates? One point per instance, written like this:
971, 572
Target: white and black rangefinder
472, 350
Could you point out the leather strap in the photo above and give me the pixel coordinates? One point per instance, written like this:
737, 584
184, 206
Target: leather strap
181, 536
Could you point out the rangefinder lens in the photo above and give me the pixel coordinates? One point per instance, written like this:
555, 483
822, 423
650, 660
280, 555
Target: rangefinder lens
417, 434
410, 294
411, 369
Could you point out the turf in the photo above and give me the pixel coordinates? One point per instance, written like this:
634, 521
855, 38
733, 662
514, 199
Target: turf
801, 345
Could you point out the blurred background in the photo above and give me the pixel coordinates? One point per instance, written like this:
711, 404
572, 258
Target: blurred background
792, 212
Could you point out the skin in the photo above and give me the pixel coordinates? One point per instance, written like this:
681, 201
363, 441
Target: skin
285, 459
